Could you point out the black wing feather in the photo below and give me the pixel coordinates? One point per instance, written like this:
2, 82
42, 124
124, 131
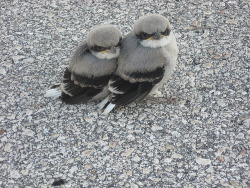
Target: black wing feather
75, 93
134, 91
93, 81
122, 85
157, 73
140, 91
83, 96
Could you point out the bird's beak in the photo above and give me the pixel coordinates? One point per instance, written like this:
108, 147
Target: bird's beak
157, 36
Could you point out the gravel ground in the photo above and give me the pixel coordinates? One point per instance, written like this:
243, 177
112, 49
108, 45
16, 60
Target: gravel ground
199, 138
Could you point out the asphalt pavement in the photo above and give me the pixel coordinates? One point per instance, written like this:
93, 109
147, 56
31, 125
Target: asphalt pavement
195, 135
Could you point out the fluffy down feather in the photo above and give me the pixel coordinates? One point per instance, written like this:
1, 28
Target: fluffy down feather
147, 59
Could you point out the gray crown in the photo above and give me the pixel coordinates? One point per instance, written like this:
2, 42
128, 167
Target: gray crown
151, 23
104, 35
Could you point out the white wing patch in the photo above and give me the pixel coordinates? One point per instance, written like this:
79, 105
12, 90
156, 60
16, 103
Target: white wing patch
63, 86
113, 89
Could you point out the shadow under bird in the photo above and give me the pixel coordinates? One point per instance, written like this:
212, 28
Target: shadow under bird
91, 66
146, 61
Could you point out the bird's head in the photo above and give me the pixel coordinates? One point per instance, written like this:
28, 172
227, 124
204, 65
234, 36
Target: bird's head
104, 41
153, 30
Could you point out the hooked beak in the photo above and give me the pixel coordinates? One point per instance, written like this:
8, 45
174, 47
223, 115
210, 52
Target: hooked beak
157, 36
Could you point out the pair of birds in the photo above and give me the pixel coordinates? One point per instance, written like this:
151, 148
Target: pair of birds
119, 71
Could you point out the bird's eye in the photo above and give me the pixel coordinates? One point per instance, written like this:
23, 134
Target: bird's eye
146, 35
99, 48
166, 32
143, 35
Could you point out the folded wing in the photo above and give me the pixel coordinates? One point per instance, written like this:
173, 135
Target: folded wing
79, 88
136, 86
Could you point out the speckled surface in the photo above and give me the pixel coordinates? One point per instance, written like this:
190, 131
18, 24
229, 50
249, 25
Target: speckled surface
200, 139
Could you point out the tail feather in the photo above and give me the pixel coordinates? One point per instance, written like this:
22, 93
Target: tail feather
106, 105
53, 93
102, 104
108, 108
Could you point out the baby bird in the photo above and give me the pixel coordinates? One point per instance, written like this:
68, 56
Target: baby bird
147, 60
91, 66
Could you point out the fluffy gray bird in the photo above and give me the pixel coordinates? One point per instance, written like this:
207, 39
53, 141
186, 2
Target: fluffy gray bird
92, 65
147, 60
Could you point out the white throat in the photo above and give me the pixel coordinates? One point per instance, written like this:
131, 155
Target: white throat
106, 55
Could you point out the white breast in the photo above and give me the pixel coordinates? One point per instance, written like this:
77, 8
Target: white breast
170, 52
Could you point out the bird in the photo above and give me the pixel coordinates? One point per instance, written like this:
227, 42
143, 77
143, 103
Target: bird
91, 66
147, 60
